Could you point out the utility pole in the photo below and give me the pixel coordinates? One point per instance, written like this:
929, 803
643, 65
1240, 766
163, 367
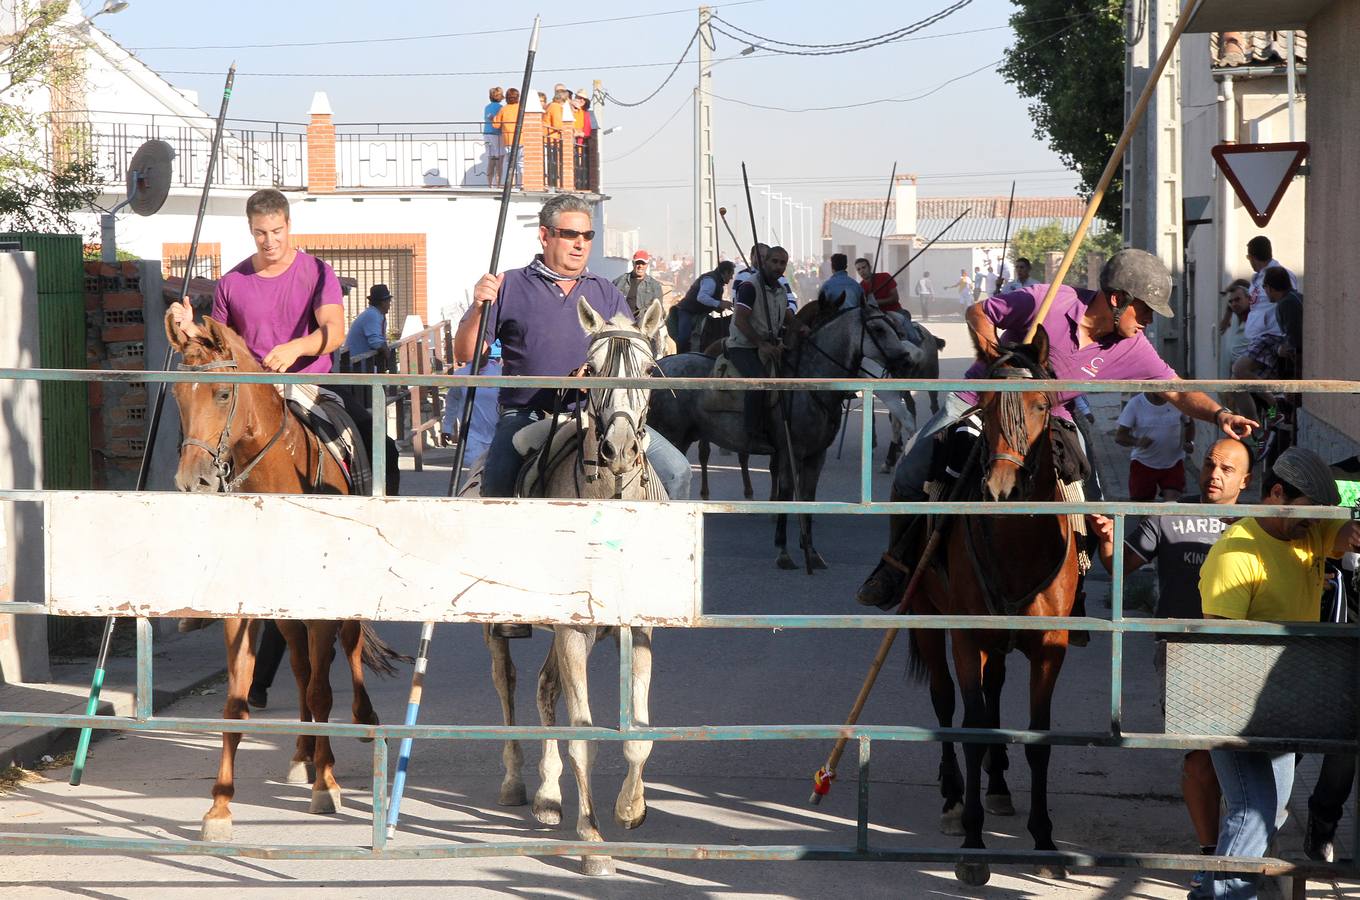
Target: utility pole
705, 216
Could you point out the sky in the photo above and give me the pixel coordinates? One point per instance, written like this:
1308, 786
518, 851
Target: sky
953, 121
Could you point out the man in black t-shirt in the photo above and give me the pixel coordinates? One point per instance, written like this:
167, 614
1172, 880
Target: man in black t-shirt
1178, 545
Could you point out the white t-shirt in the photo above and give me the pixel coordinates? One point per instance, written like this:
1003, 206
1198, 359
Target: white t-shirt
1162, 424
989, 282
924, 288
1262, 318
1018, 285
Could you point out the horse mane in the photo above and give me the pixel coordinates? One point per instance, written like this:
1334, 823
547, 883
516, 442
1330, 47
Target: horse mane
220, 342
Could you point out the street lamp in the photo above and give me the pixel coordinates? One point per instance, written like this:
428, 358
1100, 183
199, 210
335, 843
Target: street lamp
111, 7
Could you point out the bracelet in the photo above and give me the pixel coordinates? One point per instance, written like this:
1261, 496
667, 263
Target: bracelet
1220, 411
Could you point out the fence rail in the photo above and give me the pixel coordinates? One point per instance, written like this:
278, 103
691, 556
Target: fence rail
864, 735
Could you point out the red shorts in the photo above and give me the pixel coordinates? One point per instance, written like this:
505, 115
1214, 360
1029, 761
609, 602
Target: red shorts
1144, 481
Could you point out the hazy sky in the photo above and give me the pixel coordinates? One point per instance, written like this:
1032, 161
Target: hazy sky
971, 136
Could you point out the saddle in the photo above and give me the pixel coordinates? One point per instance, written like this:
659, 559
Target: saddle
323, 414
729, 401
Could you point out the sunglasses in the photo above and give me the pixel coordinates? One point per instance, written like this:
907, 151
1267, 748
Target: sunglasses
639, 262
571, 234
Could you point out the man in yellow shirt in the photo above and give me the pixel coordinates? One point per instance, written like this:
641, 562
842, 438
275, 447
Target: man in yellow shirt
1268, 569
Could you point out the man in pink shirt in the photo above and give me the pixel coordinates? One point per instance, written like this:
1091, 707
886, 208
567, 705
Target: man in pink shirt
1093, 335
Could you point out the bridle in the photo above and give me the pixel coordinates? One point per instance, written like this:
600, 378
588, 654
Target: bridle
1011, 411
629, 354
221, 454
856, 366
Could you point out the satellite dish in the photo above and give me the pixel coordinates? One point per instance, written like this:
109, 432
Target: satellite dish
148, 177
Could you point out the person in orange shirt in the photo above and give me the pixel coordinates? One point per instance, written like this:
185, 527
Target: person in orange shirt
558, 112
580, 107
505, 121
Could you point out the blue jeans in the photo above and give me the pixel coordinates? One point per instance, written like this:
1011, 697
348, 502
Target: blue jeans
913, 468
503, 462
684, 329
1256, 788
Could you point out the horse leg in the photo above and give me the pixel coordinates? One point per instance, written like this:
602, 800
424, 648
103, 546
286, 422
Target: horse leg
352, 640
705, 450
811, 474
240, 669
1045, 665
631, 807
503, 677
781, 520
969, 662
747, 489
573, 654
547, 806
930, 648
998, 800
321, 643
300, 768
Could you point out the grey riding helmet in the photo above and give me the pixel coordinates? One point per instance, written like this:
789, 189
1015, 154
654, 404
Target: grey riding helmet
1140, 275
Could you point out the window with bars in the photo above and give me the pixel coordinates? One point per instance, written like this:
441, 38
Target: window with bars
392, 266
204, 266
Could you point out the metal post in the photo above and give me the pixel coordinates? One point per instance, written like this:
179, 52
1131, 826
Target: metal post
377, 439
379, 794
625, 678
1289, 75
1117, 636
862, 807
705, 225
866, 447
145, 690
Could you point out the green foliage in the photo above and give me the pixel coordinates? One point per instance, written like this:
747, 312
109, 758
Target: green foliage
1073, 71
1034, 243
46, 172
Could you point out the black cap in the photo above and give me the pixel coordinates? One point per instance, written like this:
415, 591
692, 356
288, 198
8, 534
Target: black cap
1140, 275
1304, 470
378, 293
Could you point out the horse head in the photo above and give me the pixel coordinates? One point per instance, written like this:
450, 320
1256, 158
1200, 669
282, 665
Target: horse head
889, 341
620, 349
213, 417
1014, 424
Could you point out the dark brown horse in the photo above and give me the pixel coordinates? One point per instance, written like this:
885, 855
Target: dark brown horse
1000, 565
243, 437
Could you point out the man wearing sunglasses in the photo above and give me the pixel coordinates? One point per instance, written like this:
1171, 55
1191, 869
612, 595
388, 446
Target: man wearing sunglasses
533, 315
638, 286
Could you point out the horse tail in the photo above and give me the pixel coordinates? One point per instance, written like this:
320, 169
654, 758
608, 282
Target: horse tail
917, 670
380, 656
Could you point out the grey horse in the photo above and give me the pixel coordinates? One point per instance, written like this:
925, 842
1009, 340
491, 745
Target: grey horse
837, 349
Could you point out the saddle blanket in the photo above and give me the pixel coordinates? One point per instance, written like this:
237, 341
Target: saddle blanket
323, 413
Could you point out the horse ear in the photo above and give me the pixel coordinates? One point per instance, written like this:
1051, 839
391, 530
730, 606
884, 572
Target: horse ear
1040, 346
178, 339
591, 321
215, 335
653, 319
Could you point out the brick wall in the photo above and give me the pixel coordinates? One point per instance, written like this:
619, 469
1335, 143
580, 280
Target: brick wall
207, 261
321, 154
115, 339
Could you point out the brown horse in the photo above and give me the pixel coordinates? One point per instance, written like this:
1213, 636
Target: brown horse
1039, 578
243, 437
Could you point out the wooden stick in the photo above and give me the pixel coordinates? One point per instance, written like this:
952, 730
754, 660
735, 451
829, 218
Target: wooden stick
1116, 156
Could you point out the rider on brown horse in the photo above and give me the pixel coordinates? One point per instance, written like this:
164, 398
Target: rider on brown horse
1094, 335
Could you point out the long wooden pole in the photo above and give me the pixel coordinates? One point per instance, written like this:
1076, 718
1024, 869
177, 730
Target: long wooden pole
1112, 166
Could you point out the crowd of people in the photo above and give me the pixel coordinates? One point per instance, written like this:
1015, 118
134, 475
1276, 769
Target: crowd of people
499, 118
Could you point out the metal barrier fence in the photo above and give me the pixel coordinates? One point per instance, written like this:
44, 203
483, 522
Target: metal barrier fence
1118, 625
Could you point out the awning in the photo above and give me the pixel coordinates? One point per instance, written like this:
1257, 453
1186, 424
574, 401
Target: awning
1255, 15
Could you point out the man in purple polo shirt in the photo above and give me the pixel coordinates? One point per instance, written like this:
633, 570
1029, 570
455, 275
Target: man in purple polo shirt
533, 315
1093, 335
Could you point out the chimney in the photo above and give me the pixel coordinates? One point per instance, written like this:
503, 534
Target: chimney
904, 198
321, 147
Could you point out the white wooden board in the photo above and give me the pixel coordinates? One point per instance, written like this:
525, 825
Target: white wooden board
382, 559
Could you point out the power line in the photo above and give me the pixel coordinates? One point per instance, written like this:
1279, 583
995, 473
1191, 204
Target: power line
490, 72
617, 102
425, 37
833, 49
668, 121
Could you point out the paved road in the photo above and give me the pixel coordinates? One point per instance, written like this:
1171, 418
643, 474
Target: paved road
731, 793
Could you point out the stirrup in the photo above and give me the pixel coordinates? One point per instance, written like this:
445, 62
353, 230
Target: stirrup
895, 563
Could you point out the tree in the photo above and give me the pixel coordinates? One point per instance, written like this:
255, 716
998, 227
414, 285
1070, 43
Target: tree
1034, 243
1068, 58
46, 171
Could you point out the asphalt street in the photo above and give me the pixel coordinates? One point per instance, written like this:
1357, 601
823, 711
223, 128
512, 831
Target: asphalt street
728, 793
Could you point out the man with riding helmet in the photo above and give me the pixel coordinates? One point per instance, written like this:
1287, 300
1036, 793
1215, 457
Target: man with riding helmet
1093, 335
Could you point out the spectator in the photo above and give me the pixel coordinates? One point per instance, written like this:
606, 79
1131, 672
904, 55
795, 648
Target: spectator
925, 292
1178, 545
557, 114
585, 128
989, 282
878, 285
1160, 436
484, 410
1022, 277
495, 146
1232, 326
1271, 570
1289, 311
1263, 332
704, 296
504, 121
840, 291
976, 279
368, 331
637, 286
965, 288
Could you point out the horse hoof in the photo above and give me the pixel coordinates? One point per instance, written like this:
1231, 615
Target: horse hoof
784, 561
326, 802
631, 821
548, 812
951, 820
998, 804
817, 561
973, 874
300, 772
512, 794
217, 830
1052, 873
597, 865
